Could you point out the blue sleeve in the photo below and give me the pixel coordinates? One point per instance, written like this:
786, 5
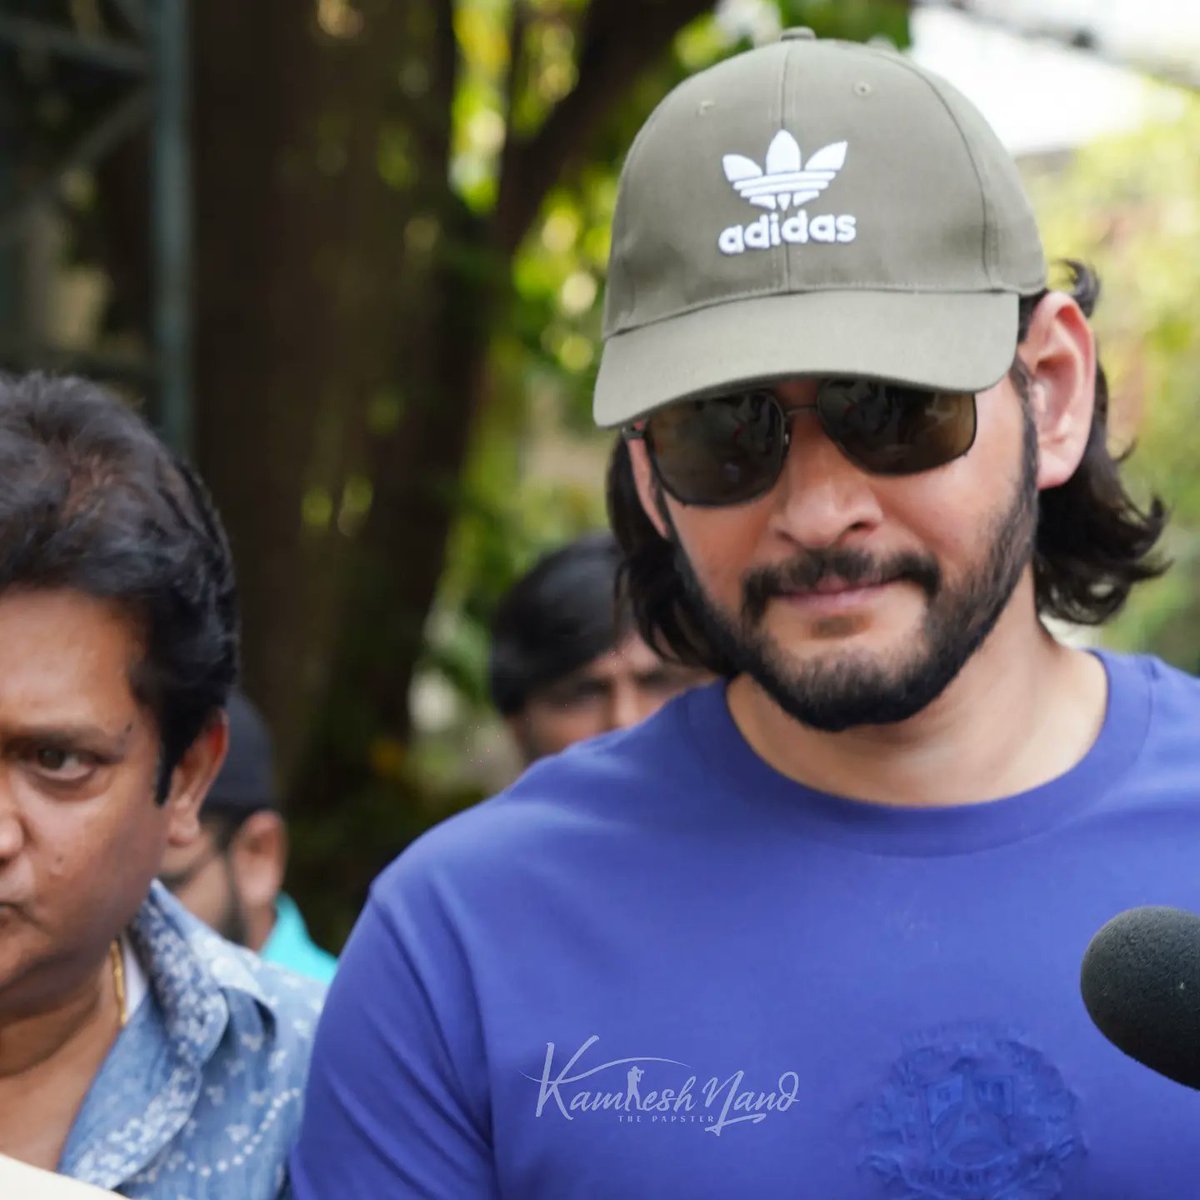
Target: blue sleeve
396, 1104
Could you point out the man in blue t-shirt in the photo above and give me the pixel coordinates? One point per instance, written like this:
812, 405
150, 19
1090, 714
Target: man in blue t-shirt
815, 930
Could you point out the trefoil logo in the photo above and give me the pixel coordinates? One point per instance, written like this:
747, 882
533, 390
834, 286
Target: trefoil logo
785, 182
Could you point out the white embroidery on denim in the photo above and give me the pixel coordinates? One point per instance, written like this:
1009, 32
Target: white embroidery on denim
223, 1048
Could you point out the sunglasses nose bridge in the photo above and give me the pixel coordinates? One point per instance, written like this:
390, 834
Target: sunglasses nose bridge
816, 428
788, 412
787, 426
821, 491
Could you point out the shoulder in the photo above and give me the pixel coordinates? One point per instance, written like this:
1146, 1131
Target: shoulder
259, 994
1160, 705
623, 783
1172, 693
271, 1008
288, 1003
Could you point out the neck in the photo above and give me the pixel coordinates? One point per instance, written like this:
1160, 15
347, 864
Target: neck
84, 1019
260, 921
1022, 711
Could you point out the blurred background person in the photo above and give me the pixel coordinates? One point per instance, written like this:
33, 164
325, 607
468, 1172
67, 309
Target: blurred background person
566, 662
230, 874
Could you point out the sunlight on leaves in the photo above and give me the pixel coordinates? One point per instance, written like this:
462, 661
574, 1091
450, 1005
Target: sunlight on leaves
317, 509
339, 18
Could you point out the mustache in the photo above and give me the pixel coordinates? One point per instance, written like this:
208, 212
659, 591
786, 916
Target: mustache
854, 567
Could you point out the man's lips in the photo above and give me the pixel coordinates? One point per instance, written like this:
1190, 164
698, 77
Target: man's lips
835, 594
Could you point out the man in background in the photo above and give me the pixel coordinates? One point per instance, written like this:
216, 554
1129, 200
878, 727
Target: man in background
230, 874
566, 662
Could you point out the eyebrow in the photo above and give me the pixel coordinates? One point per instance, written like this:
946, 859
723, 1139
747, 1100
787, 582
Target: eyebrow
74, 734
579, 676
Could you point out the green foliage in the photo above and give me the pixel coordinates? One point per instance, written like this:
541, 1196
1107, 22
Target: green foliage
1130, 205
851, 20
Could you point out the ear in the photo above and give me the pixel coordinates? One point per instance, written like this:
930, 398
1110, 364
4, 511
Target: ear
647, 486
259, 852
191, 779
1059, 352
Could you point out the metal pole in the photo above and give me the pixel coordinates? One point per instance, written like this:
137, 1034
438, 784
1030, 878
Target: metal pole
120, 122
172, 203
134, 12
10, 306
10, 286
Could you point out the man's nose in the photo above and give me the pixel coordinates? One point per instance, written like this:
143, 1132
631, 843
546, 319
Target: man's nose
821, 495
627, 706
12, 828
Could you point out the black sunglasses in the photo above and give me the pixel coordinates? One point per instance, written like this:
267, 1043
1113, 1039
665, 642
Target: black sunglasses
730, 449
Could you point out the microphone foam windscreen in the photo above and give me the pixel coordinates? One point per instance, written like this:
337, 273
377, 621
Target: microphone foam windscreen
1141, 986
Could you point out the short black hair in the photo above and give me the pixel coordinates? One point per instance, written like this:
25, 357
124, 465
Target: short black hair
92, 501
562, 614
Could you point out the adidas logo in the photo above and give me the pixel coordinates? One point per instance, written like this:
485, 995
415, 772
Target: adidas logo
782, 183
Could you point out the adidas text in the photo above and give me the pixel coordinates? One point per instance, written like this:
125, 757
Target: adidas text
797, 229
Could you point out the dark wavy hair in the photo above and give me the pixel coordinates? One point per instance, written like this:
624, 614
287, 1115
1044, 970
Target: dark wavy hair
93, 502
1093, 542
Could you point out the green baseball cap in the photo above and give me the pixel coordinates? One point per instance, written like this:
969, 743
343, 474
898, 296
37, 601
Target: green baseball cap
813, 207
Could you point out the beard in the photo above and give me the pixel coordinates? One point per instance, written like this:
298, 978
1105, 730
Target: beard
232, 924
857, 688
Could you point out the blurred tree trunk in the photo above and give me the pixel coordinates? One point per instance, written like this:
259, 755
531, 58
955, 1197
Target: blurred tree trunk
345, 299
300, 274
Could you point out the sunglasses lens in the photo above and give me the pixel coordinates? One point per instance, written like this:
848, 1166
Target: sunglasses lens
890, 429
718, 451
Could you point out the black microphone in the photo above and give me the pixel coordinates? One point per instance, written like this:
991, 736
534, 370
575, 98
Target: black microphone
1141, 986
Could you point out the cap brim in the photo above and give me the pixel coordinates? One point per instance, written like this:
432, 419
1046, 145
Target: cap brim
960, 341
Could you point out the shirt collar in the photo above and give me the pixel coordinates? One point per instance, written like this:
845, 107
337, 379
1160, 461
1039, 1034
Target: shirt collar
147, 1087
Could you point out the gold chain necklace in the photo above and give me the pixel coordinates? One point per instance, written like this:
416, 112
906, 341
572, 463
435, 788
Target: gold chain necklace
117, 960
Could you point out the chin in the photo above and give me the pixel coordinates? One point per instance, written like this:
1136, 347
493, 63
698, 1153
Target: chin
871, 650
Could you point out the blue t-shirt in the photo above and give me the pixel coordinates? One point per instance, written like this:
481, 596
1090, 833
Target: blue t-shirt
656, 968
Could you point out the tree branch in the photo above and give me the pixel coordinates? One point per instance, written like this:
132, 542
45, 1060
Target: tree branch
516, 72
615, 48
445, 81
517, 29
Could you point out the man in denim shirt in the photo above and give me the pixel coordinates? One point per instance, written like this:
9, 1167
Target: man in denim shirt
138, 1051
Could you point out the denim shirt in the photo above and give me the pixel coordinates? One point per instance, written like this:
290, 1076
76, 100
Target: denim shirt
200, 1095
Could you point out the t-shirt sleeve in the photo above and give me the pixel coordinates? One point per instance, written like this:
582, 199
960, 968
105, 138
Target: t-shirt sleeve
396, 1102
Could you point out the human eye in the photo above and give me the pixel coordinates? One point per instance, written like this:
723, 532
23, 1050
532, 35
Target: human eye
61, 764
577, 693
657, 681
585, 691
